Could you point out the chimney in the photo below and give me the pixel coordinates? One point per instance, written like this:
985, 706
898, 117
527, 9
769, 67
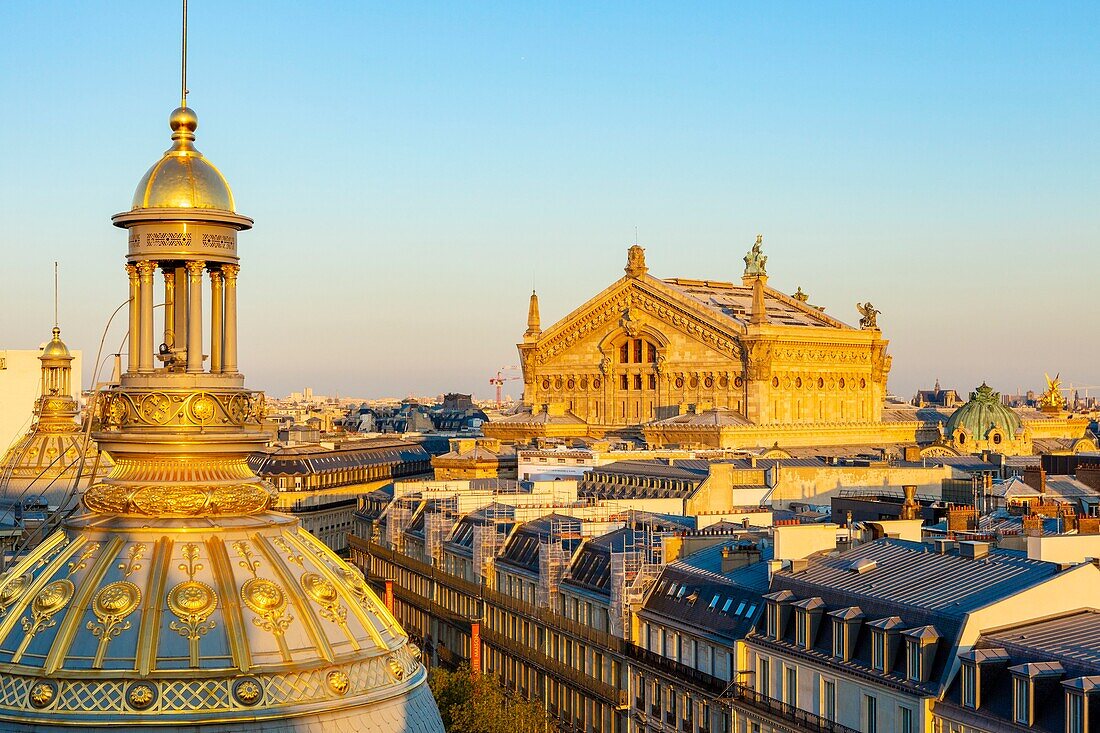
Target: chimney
973, 550
1036, 478
910, 509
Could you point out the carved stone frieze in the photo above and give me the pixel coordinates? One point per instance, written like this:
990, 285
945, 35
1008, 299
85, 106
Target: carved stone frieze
628, 305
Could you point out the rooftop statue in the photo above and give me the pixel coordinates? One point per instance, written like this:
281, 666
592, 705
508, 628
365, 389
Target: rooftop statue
1052, 400
756, 260
635, 261
868, 315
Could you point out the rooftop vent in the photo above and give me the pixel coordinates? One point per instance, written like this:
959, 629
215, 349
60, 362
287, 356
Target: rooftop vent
973, 550
943, 547
862, 566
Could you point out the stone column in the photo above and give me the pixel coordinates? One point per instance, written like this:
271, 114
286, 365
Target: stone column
229, 353
169, 306
216, 321
180, 318
145, 297
194, 316
135, 320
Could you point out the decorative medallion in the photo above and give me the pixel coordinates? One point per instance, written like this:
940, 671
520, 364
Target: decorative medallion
318, 588
202, 408
396, 670
48, 602
679, 382
111, 605
42, 693
141, 695
267, 601
247, 691
156, 408
338, 682
12, 590
596, 383
324, 594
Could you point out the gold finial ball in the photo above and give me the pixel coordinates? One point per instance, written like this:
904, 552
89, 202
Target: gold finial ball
183, 118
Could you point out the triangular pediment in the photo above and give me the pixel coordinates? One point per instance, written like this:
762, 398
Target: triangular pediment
635, 301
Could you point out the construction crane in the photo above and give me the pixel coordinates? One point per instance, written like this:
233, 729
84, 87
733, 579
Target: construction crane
499, 380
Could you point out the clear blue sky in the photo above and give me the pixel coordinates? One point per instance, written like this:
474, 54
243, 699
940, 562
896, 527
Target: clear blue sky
414, 167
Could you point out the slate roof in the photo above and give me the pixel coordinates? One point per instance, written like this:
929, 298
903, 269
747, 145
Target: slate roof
734, 301
693, 592
461, 541
521, 550
307, 459
714, 417
1062, 648
911, 581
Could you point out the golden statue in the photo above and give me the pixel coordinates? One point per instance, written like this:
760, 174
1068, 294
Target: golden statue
1052, 400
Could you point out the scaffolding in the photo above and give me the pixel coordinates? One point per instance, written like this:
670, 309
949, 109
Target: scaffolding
486, 540
398, 516
553, 559
634, 569
439, 520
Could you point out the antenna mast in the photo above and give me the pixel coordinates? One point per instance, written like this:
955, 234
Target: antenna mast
55, 294
183, 74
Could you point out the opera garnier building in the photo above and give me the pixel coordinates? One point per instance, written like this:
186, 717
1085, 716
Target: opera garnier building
740, 365
177, 599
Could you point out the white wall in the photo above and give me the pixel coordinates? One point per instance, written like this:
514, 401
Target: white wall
20, 381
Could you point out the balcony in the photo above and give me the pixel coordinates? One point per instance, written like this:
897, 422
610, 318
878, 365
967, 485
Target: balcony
680, 672
740, 696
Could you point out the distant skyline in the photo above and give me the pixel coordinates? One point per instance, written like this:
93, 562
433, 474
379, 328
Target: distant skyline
414, 168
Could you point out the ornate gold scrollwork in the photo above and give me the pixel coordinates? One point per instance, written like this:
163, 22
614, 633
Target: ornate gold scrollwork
132, 408
179, 500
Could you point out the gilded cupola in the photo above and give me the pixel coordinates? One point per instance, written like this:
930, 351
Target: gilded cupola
183, 178
177, 598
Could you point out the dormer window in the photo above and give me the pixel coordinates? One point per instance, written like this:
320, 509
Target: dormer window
840, 631
845, 625
885, 633
1078, 691
1031, 680
920, 645
969, 673
913, 661
878, 651
977, 673
807, 619
1021, 700
1076, 718
778, 603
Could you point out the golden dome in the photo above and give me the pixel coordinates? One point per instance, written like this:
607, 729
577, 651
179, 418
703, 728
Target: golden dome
183, 178
56, 348
113, 620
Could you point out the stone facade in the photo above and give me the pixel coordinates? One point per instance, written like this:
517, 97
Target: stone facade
647, 350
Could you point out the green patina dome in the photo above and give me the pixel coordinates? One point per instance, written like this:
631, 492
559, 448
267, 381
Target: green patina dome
983, 412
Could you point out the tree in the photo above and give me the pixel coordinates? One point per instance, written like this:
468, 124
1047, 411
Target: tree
472, 703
